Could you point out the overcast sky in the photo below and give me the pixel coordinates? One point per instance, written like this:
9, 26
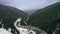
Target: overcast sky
28, 4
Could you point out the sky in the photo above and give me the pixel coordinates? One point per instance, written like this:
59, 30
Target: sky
28, 4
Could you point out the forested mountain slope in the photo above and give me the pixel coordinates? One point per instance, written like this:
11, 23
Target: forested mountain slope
8, 15
46, 18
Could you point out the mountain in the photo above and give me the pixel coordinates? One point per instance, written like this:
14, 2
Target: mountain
31, 11
8, 15
46, 18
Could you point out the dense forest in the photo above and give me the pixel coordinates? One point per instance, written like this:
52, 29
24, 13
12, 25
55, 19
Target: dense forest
46, 18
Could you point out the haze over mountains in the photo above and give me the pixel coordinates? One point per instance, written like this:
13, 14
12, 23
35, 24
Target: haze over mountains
31, 11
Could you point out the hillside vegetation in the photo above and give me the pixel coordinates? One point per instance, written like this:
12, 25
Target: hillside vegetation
46, 18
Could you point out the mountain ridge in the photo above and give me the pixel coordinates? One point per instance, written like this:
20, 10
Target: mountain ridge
57, 3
